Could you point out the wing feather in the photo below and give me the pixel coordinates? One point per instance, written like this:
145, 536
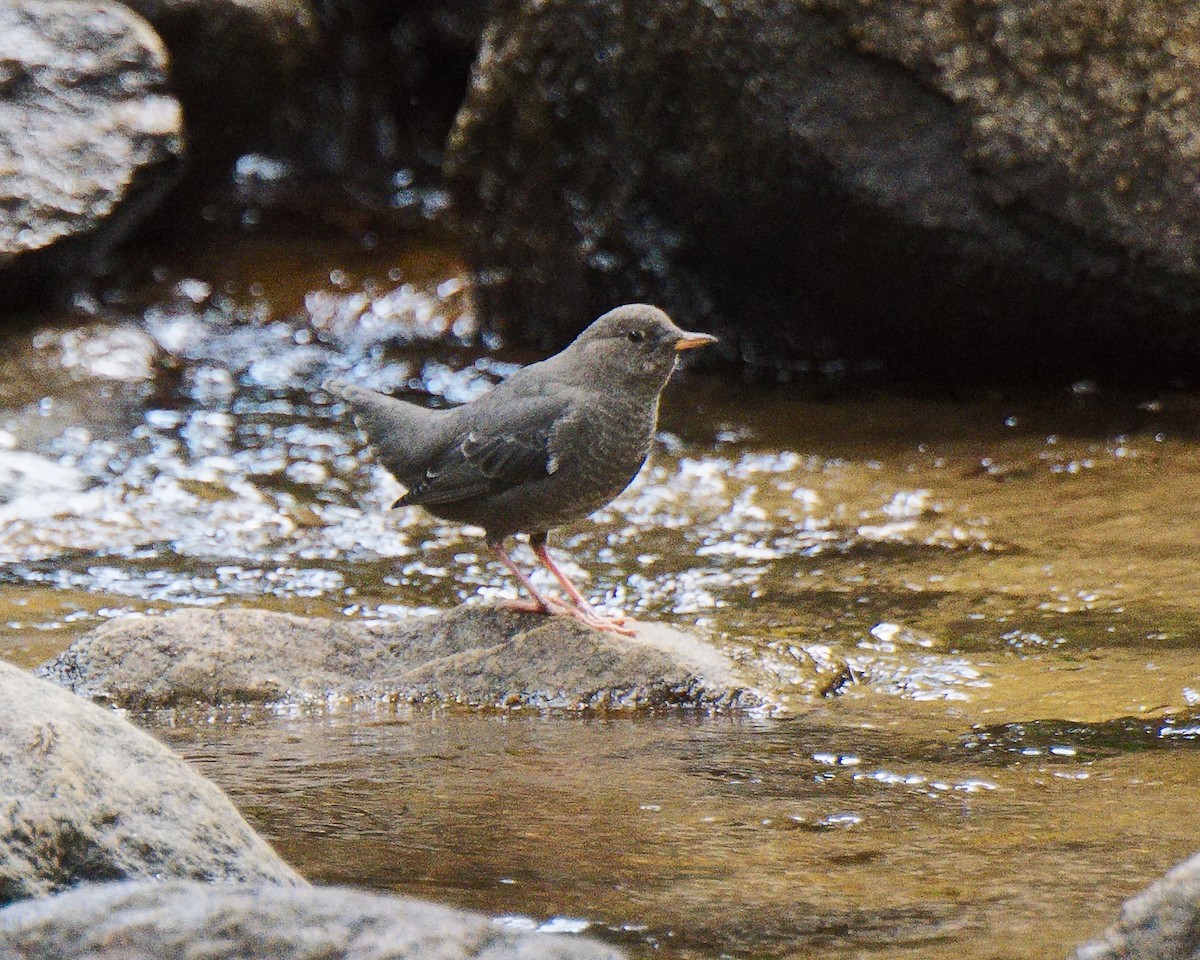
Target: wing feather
488, 457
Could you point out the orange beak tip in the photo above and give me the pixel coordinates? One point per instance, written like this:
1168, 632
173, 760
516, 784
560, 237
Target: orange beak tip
690, 341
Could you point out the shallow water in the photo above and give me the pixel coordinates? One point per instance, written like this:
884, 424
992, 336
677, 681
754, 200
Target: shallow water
1010, 580
846, 832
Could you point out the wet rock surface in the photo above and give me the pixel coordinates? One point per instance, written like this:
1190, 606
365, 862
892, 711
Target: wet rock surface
140, 921
182, 112
86, 797
1158, 924
478, 656
90, 135
802, 177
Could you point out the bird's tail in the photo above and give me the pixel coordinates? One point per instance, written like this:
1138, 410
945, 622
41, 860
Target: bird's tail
402, 434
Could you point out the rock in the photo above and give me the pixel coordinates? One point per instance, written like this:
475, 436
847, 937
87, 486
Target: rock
87, 797
1160, 923
935, 183
232, 62
481, 656
90, 137
369, 120
179, 920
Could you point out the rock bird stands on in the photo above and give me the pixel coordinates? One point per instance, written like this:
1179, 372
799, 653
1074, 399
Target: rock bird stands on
554, 442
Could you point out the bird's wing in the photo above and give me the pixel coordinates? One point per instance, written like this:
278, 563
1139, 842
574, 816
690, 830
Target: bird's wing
513, 445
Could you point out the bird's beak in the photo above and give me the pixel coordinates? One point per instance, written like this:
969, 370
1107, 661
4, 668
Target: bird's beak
690, 340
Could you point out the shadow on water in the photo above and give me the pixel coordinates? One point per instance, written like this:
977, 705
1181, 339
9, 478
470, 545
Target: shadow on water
1009, 581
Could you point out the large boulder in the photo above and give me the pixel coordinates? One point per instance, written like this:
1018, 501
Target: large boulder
1160, 923
90, 136
477, 656
813, 179
182, 921
86, 797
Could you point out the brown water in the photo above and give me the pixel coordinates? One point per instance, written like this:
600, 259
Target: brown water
1011, 580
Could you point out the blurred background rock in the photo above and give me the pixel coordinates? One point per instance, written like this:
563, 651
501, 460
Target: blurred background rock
946, 190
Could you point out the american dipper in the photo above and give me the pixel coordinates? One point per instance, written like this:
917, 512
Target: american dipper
552, 443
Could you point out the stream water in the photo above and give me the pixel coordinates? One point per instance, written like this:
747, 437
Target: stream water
1011, 580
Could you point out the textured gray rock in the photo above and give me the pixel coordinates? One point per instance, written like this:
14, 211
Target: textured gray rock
183, 921
1160, 923
481, 656
85, 796
810, 177
90, 136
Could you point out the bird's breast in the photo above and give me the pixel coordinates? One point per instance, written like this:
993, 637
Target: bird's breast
616, 439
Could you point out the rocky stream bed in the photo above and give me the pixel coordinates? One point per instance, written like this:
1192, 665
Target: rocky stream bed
935, 691
914, 560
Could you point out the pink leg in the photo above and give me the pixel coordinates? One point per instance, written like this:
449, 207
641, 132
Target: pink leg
539, 604
582, 609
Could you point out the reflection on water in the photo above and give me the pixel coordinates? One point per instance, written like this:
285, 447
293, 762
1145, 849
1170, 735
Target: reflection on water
1011, 583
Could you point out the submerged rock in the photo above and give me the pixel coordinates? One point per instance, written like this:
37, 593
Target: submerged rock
921, 181
173, 921
1160, 923
87, 797
90, 136
480, 656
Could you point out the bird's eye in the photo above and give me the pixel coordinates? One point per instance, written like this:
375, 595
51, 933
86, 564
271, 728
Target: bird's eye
636, 336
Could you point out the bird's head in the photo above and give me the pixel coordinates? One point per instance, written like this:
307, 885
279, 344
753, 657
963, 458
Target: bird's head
637, 342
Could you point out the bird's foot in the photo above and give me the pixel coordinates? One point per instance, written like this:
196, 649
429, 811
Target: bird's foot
581, 609
588, 618
537, 606
591, 618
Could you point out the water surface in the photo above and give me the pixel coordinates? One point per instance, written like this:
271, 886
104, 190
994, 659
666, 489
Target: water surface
1010, 579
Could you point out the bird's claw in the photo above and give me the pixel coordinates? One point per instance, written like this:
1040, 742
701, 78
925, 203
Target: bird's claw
592, 619
587, 617
613, 626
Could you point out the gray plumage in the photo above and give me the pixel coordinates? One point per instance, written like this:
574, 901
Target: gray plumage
554, 442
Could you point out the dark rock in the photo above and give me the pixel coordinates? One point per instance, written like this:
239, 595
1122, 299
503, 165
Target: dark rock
90, 137
181, 921
231, 64
1160, 923
480, 656
369, 119
938, 185
87, 797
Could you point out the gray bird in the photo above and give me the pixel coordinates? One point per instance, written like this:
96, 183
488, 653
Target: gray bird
554, 442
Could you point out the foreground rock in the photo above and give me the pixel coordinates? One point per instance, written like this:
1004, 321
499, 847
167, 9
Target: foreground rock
482, 656
919, 180
1161, 923
173, 921
87, 797
89, 135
